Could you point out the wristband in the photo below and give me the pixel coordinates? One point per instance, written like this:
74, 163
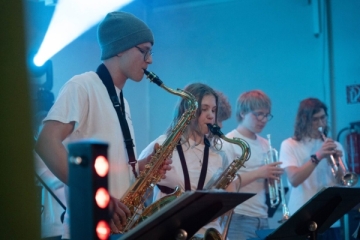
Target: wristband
314, 159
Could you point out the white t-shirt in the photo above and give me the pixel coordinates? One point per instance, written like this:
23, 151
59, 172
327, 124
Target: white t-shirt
297, 153
255, 206
51, 224
193, 156
85, 101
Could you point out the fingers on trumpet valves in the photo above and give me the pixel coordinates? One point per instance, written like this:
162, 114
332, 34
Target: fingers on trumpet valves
276, 172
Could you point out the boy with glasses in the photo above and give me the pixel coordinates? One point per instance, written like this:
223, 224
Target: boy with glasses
85, 110
252, 112
304, 158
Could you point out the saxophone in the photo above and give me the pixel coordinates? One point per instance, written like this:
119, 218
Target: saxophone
134, 197
226, 178
230, 172
221, 183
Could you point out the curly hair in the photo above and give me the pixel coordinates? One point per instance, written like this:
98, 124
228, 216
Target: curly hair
224, 108
303, 123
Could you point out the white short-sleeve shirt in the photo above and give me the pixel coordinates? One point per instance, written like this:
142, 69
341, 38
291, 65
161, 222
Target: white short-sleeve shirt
256, 205
297, 153
85, 101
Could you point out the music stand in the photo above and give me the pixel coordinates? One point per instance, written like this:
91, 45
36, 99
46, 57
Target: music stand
183, 217
317, 214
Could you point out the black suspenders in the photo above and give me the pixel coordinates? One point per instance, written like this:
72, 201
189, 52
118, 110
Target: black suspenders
203, 172
120, 110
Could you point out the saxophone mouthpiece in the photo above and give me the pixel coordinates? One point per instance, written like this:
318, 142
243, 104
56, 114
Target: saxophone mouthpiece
153, 78
215, 129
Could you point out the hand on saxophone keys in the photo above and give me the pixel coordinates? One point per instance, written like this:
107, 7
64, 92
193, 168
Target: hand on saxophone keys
166, 165
120, 213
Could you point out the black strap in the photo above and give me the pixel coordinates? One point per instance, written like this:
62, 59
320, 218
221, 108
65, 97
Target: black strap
165, 189
203, 168
105, 77
184, 167
205, 164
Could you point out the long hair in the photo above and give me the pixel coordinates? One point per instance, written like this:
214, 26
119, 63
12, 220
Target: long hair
250, 101
198, 90
303, 124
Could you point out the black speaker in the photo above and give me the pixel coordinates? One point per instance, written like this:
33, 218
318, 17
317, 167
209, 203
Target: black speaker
88, 187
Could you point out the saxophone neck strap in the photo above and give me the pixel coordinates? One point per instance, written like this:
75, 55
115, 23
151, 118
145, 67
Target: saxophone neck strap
205, 164
105, 77
184, 167
203, 168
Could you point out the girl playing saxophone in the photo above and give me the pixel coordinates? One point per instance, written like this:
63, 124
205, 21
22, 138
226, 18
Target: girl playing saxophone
195, 159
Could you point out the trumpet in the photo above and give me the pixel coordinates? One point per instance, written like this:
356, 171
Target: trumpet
339, 169
276, 190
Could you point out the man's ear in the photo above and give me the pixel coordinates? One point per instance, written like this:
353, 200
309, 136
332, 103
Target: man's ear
242, 114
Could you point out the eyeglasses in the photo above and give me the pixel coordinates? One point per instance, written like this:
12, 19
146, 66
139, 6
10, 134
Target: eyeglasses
261, 116
146, 53
321, 118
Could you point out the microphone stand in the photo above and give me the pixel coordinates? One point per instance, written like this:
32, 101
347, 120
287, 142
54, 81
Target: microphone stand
50, 191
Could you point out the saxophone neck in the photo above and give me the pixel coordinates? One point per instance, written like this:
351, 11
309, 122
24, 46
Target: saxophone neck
215, 129
186, 95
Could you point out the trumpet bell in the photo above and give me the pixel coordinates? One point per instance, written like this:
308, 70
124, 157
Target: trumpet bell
349, 179
339, 169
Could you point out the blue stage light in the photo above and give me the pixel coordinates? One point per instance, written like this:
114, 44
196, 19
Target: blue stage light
71, 19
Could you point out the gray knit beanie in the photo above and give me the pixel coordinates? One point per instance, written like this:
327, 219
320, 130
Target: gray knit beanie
120, 31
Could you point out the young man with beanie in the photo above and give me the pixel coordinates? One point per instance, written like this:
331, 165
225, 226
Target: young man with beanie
84, 109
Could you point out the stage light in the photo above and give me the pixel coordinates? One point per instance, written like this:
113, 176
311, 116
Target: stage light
38, 61
103, 230
102, 198
41, 83
41, 75
101, 166
71, 19
89, 196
